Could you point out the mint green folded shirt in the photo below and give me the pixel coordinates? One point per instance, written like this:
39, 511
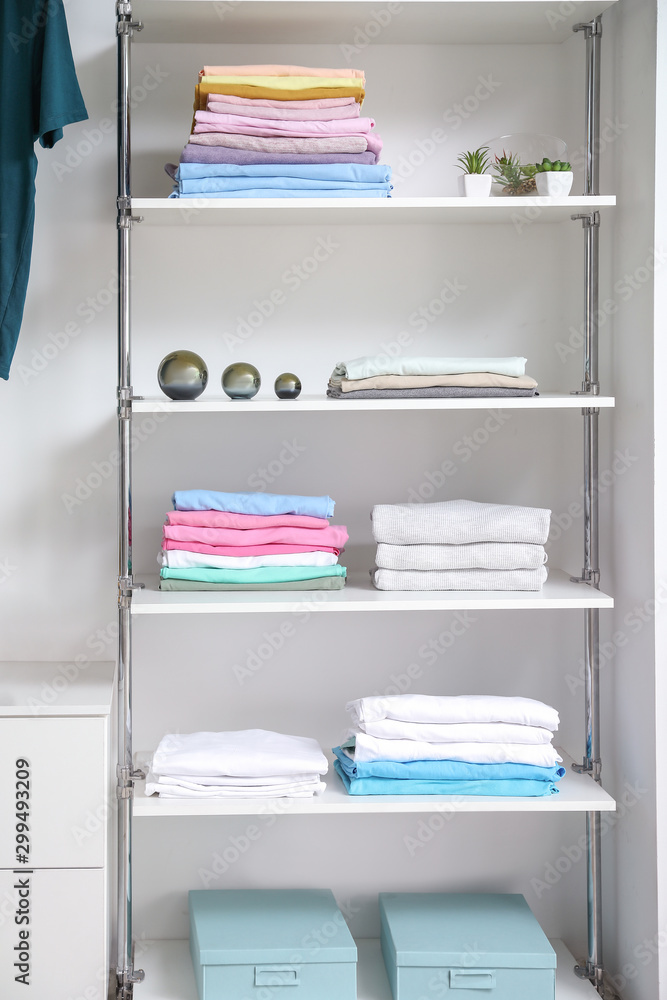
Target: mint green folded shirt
264, 574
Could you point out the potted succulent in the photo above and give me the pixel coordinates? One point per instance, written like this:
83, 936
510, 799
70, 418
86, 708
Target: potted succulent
475, 182
553, 178
514, 177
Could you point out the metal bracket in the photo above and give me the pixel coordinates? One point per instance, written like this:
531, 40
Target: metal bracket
125, 217
125, 983
589, 27
125, 397
588, 219
125, 587
592, 767
126, 780
125, 27
591, 576
594, 974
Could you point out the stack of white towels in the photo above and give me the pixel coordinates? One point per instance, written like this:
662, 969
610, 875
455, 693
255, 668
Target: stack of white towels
460, 545
251, 763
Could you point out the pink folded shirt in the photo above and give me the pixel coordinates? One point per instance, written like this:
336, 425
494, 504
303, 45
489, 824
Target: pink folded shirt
277, 70
245, 550
225, 519
334, 535
268, 127
283, 114
267, 102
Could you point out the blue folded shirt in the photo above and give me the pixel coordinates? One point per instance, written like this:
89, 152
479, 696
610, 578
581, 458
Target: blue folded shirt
445, 770
364, 173
518, 787
369, 191
253, 503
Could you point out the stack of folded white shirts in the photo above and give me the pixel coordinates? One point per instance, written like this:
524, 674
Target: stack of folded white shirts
251, 763
381, 377
414, 744
460, 545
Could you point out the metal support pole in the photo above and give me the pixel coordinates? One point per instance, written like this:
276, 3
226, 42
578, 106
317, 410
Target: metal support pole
126, 977
592, 764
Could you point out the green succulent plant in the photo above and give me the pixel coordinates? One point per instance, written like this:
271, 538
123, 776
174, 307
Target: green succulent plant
514, 177
548, 165
476, 161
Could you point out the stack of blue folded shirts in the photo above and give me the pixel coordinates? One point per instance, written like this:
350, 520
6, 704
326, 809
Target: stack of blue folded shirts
463, 745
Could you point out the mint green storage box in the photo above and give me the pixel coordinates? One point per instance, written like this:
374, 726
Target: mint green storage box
487, 944
271, 944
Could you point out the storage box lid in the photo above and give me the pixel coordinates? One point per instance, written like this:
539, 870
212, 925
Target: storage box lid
282, 926
464, 930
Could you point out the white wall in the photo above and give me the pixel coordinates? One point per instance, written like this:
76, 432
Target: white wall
522, 294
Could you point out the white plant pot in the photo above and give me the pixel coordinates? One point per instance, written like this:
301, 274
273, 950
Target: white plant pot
554, 183
475, 185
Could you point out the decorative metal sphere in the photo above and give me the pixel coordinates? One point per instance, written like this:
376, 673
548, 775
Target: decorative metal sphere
241, 380
287, 386
182, 375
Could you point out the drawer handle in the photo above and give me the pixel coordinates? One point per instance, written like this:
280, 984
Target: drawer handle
276, 975
472, 979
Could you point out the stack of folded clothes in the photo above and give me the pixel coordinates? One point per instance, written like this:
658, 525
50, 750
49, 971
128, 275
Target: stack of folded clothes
250, 541
414, 744
251, 763
280, 132
382, 377
460, 545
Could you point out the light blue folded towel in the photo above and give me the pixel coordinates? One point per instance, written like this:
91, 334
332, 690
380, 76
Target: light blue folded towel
445, 770
361, 173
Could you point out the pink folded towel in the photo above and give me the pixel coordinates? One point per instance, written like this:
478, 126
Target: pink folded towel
219, 106
334, 535
208, 121
267, 102
224, 519
245, 550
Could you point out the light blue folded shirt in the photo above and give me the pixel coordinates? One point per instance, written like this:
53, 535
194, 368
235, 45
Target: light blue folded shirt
204, 185
445, 770
518, 787
364, 173
253, 503
349, 192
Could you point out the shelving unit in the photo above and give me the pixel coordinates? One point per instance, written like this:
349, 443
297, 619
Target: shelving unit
320, 404
362, 211
576, 793
167, 963
360, 595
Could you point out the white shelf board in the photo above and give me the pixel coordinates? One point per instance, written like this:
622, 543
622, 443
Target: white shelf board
309, 404
169, 974
578, 793
360, 595
299, 22
361, 211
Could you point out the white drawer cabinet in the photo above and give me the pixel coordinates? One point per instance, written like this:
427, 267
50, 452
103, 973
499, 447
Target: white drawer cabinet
53, 934
56, 802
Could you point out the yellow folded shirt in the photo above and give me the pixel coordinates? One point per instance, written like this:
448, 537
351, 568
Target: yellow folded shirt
202, 90
289, 82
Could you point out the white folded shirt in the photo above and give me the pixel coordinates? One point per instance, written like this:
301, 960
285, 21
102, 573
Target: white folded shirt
183, 559
464, 732
459, 522
369, 748
251, 752
454, 709
173, 788
460, 579
475, 555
